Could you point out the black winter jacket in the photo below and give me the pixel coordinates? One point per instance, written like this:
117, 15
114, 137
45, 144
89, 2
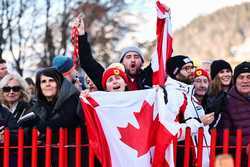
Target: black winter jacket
7, 120
66, 112
95, 70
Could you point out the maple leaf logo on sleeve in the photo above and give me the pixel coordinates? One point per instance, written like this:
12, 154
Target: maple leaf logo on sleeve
142, 138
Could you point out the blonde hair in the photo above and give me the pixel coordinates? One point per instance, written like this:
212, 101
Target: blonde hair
24, 93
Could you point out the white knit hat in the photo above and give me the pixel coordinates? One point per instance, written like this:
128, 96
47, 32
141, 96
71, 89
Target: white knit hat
131, 49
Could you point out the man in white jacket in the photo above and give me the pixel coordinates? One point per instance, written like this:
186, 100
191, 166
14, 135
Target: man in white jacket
181, 101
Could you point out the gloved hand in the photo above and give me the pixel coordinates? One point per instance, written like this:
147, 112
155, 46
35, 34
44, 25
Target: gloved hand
194, 124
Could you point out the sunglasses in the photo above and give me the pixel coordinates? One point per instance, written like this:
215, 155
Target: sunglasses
14, 88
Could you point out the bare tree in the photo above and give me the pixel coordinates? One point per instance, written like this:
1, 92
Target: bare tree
28, 38
105, 25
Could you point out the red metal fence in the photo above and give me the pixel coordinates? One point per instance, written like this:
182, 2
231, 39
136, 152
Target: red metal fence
62, 147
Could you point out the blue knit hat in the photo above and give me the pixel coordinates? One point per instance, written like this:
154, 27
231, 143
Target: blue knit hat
62, 63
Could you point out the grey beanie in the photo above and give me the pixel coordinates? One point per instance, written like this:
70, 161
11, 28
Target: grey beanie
131, 49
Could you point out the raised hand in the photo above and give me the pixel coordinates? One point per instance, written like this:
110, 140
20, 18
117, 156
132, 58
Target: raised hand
79, 24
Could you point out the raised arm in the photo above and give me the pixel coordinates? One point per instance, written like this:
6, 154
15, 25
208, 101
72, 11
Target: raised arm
93, 69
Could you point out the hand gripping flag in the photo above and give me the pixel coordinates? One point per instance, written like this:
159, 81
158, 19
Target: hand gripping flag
164, 45
74, 41
129, 128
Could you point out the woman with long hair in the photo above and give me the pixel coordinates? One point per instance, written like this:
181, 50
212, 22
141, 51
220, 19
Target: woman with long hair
221, 82
57, 107
221, 75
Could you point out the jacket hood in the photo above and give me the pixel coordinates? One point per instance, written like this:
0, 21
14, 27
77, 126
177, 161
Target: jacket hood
66, 91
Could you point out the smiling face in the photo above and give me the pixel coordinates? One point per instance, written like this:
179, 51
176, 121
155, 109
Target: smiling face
115, 83
243, 84
225, 77
48, 87
12, 91
132, 62
201, 84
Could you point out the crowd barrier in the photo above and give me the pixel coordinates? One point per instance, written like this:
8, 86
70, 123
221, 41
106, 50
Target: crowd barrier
62, 147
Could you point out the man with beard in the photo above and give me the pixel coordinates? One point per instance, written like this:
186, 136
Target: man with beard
131, 58
181, 102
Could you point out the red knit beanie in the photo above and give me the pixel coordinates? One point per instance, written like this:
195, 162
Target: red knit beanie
113, 71
200, 72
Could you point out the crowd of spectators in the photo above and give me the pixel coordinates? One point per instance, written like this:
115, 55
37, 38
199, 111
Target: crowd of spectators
211, 96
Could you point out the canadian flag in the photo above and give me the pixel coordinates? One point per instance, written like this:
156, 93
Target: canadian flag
164, 45
130, 129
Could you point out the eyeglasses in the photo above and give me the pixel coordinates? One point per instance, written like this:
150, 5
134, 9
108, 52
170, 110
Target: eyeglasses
14, 88
189, 68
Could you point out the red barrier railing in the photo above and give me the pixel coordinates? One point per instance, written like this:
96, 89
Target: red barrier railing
63, 147
48, 143
34, 148
6, 150
78, 147
20, 152
213, 147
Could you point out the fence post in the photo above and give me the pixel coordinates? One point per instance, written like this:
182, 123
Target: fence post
213, 147
175, 141
226, 141
78, 147
200, 147
187, 147
48, 147
34, 148
91, 157
6, 145
238, 147
65, 146
20, 147
61, 148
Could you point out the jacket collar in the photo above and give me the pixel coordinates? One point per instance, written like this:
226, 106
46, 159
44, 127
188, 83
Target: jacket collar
172, 83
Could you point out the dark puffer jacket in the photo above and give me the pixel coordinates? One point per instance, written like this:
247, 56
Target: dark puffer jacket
237, 115
66, 112
216, 104
95, 70
7, 120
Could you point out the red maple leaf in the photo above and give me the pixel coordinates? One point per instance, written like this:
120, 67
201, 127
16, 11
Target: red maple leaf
142, 138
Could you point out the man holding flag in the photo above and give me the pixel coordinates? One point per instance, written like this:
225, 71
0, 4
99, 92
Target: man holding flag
132, 57
133, 128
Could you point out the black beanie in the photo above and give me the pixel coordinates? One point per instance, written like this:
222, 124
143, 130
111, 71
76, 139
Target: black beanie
241, 68
217, 66
174, 64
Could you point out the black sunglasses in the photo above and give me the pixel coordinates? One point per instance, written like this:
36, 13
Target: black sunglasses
14, 88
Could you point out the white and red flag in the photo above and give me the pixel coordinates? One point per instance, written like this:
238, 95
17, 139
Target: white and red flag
164, 44
130, 129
